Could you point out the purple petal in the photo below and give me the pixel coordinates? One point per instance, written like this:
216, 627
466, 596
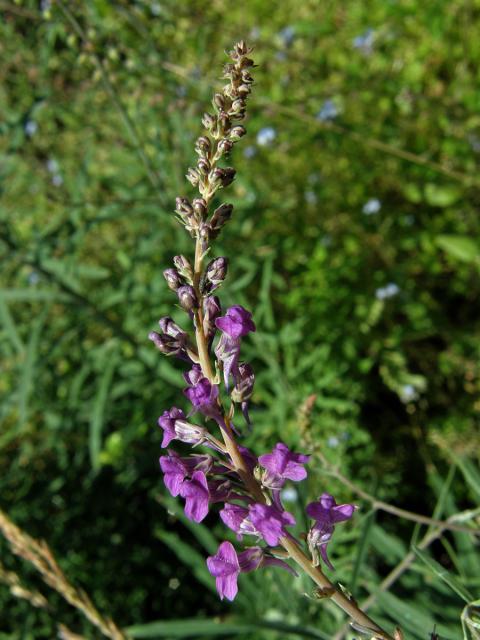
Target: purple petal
195, 492
227, 587
233, 515
269, 561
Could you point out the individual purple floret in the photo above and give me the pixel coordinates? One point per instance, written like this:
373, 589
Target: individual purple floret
326, 513
204, 397
196, 494
234, 325
282, 464
226, 565
270, 522
236, 518
225, 568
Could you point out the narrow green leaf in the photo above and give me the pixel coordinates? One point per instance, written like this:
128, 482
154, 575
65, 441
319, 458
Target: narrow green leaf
463, 248
27, 377
9, 325
201, 627
444, 575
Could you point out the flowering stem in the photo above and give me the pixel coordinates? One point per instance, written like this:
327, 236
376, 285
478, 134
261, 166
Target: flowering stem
294, 551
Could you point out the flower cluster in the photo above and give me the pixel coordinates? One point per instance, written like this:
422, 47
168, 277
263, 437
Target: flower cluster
247, 488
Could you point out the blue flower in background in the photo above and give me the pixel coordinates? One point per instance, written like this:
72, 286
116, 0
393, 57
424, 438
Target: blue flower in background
328, 111
389, 291
250, 151
287, 34
30, 128
266, 136
372, 206
364, 42
408, 393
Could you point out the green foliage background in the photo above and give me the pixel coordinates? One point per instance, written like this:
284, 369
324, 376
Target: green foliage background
100, 106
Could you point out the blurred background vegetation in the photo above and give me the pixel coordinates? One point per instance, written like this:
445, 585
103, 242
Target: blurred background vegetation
355, 242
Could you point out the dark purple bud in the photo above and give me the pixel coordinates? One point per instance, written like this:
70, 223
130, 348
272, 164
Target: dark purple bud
228, 176
238, 105
183, 206
246, 62
187, 297
209, 121
200, 207
223, 122
220, 217
243, 90
240, 49
225, 146
219, 101
203, 166
184, 267
203, 145
237, 132
173, 278
168, 345
246, 77
215, 274
212, 310
193, 177
171, 328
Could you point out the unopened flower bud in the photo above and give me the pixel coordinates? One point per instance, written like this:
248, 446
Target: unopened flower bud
183, 206
219, 101
204, 233
246, 77
184, 267
209, 121
173, 278
225, 146
215, 273
240, 49
243, 90
193, 176
237, 132
246, 62
200, 207
216, 176
223, 123
228, 176
203, 145
171, 328
238, 105
203, 166
168, 345
220, 217
187, 298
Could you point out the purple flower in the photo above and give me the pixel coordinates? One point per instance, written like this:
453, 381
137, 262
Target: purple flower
225, 568
204, 395
236, 518
326, 514
176, 469
270, 521
282, 464
194, 375
196, 494
167, 423
226, 565
236, 323
174, 472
